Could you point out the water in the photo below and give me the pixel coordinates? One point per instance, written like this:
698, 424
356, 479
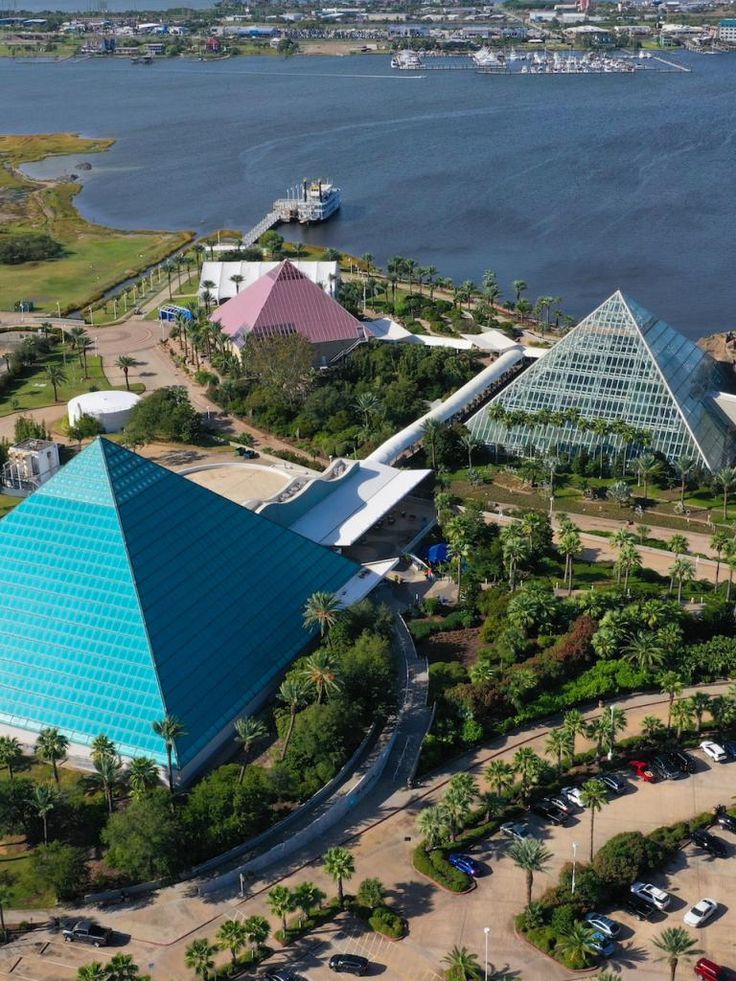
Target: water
575, 184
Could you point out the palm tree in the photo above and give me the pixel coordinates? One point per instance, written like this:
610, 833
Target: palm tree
232, 936
684, 466
530, 855
671, 685
645, 651
515, 549
339, 864
292, 693
729, 554
431, 430
371, 893
94, 971
101, 746
199, 956
51, 747
281, 902
469, 442
258, 929
594, 795
108, 770
676, 944
529, 766
306, 896
125, 362
652, 728
462, 965
75, 334
701, 702
574, 722
558, 744
122, 967
726, 480
519, 286
142, 776
576, 945
45, 798
569, 545
719, 542
237, 279
57, 376
321, 610
648, 467
629, 559
169, 729
10, 753
249, 731
369, 405
678, 544
320, 672
681, 571
500, 776
458, 800
683, 715
84, 345
434, 823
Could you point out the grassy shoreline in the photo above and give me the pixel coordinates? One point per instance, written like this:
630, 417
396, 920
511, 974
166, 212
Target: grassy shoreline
96, 258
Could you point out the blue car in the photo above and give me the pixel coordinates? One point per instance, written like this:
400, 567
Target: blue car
602, 945
465, 863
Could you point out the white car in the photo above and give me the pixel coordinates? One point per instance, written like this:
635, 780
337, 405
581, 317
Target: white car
717, 753
651, 894
574, 795
701, 912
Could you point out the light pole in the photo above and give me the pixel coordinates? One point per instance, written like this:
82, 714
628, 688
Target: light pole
612, 733
486, 931
574, 866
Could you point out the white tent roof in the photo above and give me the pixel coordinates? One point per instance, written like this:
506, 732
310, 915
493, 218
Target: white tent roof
324, 274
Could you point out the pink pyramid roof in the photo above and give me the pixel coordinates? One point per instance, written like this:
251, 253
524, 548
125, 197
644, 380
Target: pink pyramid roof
284, 301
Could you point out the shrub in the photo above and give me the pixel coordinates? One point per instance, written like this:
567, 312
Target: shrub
436, 867
625, 857
17, 247
387, 922
563, 918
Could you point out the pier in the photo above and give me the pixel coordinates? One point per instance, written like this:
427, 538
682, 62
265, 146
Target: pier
252, 236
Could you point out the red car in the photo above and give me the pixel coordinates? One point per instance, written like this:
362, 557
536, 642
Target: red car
641, 769
710, 971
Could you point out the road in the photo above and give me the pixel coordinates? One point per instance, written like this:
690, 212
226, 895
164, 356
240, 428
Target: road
381, 835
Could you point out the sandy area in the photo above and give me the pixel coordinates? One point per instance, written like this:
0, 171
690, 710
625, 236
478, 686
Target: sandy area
241, 482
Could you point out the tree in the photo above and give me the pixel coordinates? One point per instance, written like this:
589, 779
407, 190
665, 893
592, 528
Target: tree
676, 944
199, 957
101, 746
292, 693
569, 545
531, 856
559, 744
125, 362
237, 279
121, 967
94, 971
10, 753
519, 287
434, 823
701, 702
462, 965
681, 571
143, 775
431, 431
500, 776
169, 729
683, 715
515, 549
144, 840
232, 936
576, 945
684, 467
574, 722
644, 650
671, 685
45, 799
61, 867
282, 365
470, 442
108, 772
306, 896
594, 795
258, 929
249, 731
719, 542
459, 542
371, 893
648, 468
321, 610
51, 747
678, 544
726, 480
652, 728
320, 673
57, 376
6, 895
458, 800
281, 902
84, 345
529, 766
339, 864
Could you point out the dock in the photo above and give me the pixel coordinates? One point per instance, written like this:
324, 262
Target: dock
252, 236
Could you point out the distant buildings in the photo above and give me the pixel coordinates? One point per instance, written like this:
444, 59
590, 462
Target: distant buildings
30, 464
621, 379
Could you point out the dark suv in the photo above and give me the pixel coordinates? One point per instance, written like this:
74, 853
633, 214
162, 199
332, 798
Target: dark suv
665, 768
640, 908
725, 820
549, 811
683, 761
705, 840
348, 964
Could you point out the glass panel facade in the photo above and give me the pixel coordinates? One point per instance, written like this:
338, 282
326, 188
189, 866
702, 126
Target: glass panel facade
619, 364
130, 592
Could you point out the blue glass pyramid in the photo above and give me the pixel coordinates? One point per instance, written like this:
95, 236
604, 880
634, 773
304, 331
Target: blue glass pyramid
129, 592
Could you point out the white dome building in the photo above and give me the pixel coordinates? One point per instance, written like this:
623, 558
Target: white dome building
111, 409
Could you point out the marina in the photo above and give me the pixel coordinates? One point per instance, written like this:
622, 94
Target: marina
487, 61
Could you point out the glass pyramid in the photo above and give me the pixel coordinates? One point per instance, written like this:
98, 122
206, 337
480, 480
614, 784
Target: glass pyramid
129, 593
619, 364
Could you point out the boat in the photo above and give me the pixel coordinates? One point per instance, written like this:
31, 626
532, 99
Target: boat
485, 58
310, 202
407, 60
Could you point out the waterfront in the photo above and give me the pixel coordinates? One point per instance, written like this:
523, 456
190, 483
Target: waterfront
575, 184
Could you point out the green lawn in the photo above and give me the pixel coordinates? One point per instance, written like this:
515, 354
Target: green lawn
7, 503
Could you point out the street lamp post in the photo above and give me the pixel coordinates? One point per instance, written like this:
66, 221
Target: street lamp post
486, 931
574, 866
610, 742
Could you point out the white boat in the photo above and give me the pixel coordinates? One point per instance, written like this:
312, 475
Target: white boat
485, 58
311, 201
407, 60
515, 56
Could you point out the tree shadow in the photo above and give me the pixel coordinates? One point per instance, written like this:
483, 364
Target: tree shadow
631, 956
412, 898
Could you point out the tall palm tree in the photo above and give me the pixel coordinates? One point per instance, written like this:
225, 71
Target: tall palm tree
676, 944
462, 965
51, 747
574, 722
57, 376
143, 775
320, 672
199, 957
169, 729
306, 897
469, 442
434, 823
670, 684
683, 715
684, 466
280, 901
84, 346
431, 430
6, 895
681, 571
531, 856
678, 544
648, 467
718, 543
726, 480
44, 800
701, 702
500, 776
122, 967
644, 650
321, 610
594, 795
74, 336
369, 405
232, 936
576, 945
558, 744
569, 545
108, 772
519, 286
94, 971
10, 753
248, 731
237, 279
339, 864
258, 930
292, 693
529, 766
125, 362
101, 746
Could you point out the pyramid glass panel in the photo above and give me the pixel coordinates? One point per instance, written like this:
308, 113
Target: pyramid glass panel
621, 365
130, 593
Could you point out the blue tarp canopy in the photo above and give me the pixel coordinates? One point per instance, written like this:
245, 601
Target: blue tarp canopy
438, 553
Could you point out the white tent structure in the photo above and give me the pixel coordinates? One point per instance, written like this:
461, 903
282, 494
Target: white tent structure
324, 274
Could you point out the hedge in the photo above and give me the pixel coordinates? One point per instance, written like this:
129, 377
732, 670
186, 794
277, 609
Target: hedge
435, 866
388, 923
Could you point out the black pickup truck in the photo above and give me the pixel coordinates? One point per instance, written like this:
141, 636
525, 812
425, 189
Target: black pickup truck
87, 932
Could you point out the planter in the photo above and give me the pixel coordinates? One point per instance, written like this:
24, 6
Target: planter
582, 972
452, 892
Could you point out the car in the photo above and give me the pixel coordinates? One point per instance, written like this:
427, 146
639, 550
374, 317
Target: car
545, 809
730, 746
574, 795
518, 830
349, 964
652, 894
87, 932
613, 782
642, 770
714, 846
640, 908
603, 924
708, 970
561, 802
602, 945
283, 974
725, 820
714, 751
465, 863
666, 769
701, 912
684, 761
